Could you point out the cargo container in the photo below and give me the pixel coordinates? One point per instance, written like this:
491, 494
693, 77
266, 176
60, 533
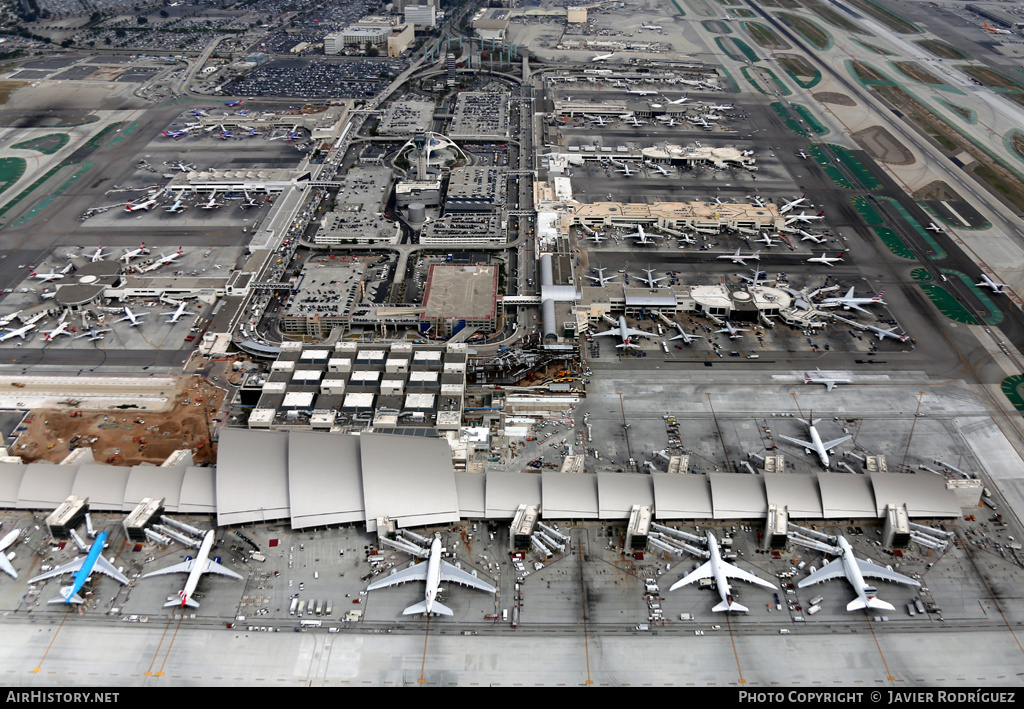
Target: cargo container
816, 600
813, 609
293, 606
319, 607
302, 609
330, 608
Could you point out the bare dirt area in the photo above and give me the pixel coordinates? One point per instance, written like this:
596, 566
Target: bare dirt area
915, 72
128, 436
883, 146
937, 191
834, 98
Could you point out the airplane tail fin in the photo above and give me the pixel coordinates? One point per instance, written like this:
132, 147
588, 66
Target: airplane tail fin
67, 596
874, 603
176, 603
421, 609
733, 607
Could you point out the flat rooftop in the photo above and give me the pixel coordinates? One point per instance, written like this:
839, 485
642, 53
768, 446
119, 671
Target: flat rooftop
461, 292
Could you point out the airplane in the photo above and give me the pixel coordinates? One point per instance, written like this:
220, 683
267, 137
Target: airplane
848, 301
129, 315
650, 279
932, 226
829, 382
139, 206
292, 136
756, 200
734, 332
625, 333
600, 277
212, 204
685, 239
711, 116
233, 103
164, 260
683, 335
993, 30
723, 107
183, 166
225, 135
740, 258
96, 255
816, 238
83, 568
199, 112
61, 329
891, 332
661, 170
5, 563
249, 202
177, 207
643, 92
816, 444
804, 217
650, 27
129, 254
718, 569
434, 570
46, 277
602, 57
855, 570
635, 123
684, 99
699, 121
20, 332
597, 238
93, 334
767, 240
176, 134
803, 155
795, 203
599, 121
176, 315
626, 171
827, 260
985, 281
643, 237
195, 568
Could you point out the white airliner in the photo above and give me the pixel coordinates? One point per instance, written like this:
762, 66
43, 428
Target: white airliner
129, 254
848, 301
827, 260
177, 313
795, 203
829, 382
600, 277
624, 332
96, 255
213, 203
767, 240
61, 329
46, 277
684, 99
636, 123
847, 565
135, 319
807, 236
891, 332
734, 332
93, 334
804, 217
722, 107
195, 568
721, 571
597, 238
434, 570
145, 205
685, 239
164, 260
5, 563
643, 92
815, 444
20, 332
626, 171
740, 258
649, 279
643, 238
177, 207
661, 170
699, 121
803, 155
650, 27
932, 226
684, 335
602, 57
599, 120
986, 282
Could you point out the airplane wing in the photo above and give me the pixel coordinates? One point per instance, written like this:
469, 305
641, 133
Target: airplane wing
6, 567
735, 572
703, 572
417, 572
457, 575
637, 333
60, 570
881, 572
212, 567
829, 384
182, 568
829, 445
832, 570
857, 307
606, 332
108, 569
805, 444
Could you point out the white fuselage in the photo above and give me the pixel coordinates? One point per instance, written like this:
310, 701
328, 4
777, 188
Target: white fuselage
720, 579
852, 570
197, 568
433, 574
819, 447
